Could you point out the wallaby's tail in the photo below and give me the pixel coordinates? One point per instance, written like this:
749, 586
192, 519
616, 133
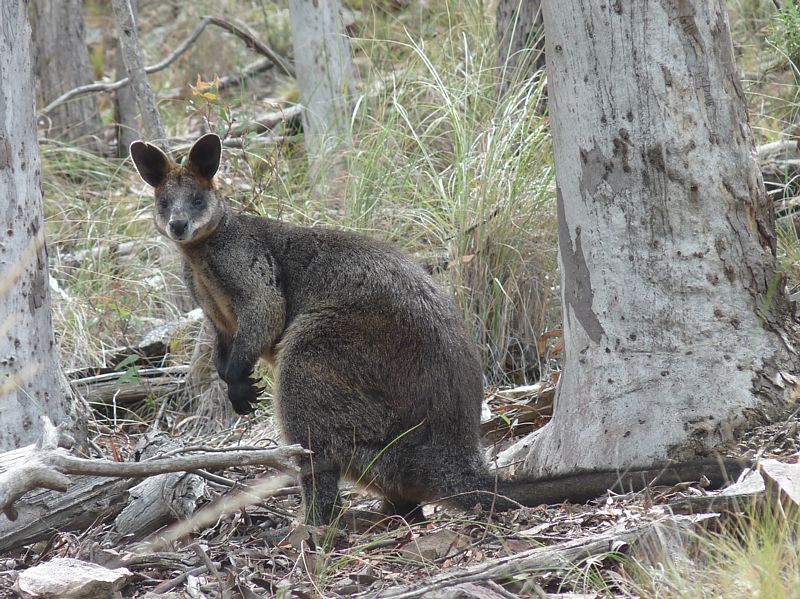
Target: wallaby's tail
492, 492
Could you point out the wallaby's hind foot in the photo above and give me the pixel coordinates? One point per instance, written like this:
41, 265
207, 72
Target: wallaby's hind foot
410, 511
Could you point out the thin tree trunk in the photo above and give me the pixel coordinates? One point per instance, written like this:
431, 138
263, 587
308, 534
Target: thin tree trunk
62, 63
126, 110
132, 57
31, 380
151, 123
676, 329
325, 76
520, 40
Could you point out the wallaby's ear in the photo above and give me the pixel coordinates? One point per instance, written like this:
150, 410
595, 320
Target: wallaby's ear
204, 156
152, 163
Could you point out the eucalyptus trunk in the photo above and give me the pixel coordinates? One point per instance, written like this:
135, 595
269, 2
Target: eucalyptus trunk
32, 384
677, 331
62, 64
326, 78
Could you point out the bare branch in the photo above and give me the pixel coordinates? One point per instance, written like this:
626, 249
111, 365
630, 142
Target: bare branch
241, 31
238, 30
46, 465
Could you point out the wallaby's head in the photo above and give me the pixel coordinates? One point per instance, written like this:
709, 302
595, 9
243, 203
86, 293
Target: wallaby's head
188, 208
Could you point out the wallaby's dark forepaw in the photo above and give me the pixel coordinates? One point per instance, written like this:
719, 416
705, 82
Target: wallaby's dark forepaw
244, 396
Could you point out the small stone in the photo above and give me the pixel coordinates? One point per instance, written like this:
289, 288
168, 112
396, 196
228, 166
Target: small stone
68, 578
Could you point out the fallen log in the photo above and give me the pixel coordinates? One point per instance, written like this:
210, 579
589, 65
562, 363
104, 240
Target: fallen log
121, 388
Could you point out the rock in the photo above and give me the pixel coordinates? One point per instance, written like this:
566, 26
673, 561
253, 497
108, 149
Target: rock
750, 484
782, 483
434, 546
463, 591
67, 578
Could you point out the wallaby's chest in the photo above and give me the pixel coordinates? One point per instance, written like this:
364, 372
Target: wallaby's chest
214, 300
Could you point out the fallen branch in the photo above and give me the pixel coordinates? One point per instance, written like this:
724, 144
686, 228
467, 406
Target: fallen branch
554, 557
254, 68
47, 466
261, 123
238, 30
107, 389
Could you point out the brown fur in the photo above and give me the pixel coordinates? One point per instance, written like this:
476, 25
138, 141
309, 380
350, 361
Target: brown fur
374, 369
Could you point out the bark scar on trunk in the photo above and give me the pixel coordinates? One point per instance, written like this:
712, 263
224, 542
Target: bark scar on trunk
578, 291
696, 62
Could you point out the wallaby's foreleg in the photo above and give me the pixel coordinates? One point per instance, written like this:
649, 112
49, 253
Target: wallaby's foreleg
242, 389
260, 317
245, 349
221, 354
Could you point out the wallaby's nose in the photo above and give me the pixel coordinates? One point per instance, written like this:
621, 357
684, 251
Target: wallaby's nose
178, 226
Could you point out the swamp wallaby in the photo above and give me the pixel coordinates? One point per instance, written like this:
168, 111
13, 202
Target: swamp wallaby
374, 369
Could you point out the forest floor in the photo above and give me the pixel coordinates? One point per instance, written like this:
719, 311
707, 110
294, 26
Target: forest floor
601, 549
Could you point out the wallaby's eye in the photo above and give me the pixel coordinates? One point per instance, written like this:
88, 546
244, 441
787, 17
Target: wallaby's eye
198, 200
163, 202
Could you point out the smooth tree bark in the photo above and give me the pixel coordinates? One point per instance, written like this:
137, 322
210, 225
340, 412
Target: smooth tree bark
31, 381
519, 29
62, 63
325, 76
677, 331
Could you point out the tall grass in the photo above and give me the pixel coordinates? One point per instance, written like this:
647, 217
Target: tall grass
753, 555
462, 177
103, 252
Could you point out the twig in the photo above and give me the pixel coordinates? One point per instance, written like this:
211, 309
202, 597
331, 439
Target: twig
198, 550
215, 478
168, 585
239, 30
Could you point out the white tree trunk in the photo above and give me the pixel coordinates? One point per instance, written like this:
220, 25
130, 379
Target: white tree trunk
325, 76
31, 381
674, 318
62, 63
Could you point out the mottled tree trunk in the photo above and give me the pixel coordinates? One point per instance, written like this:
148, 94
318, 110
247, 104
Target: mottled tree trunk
325, 76
31, 381
62, 63
520, 40
676, 329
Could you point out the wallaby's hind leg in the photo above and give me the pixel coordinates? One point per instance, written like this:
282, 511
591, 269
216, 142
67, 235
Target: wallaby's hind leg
304, 402
319, 483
